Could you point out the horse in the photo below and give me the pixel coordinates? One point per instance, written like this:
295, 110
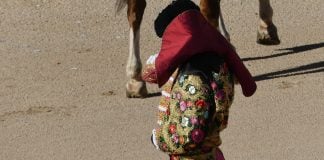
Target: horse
210, 9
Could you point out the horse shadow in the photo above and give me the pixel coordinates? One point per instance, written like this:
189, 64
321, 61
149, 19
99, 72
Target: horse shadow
303, 69
288, 51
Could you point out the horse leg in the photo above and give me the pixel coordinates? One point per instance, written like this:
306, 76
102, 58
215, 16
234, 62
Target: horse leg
212, 12
135, 87
267, 32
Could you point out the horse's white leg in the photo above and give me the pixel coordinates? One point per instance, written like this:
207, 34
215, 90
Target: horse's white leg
267, 32
135, 87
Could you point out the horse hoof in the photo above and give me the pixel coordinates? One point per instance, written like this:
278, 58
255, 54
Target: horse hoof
136, 89
268, 36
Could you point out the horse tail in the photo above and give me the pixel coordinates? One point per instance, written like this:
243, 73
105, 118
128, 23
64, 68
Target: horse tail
120, 4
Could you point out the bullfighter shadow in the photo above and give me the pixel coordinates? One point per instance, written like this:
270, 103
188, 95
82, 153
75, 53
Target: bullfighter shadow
292, 50
305, 69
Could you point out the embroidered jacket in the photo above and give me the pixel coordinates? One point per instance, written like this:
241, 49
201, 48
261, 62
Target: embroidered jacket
195, 100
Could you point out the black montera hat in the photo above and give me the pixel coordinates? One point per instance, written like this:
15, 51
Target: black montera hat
170, 12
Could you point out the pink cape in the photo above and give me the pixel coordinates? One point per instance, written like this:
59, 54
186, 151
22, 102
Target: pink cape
190, 34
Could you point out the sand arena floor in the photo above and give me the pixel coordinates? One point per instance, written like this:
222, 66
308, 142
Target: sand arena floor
62, 76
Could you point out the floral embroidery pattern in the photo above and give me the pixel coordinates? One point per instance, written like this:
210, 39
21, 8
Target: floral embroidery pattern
191, 89
197, 135
197, 110
183, 106
185, 122
201, 104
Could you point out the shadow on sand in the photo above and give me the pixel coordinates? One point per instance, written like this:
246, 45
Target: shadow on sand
156, 94
288, 51
304, 69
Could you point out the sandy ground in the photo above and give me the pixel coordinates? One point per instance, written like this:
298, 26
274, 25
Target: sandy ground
62, 78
